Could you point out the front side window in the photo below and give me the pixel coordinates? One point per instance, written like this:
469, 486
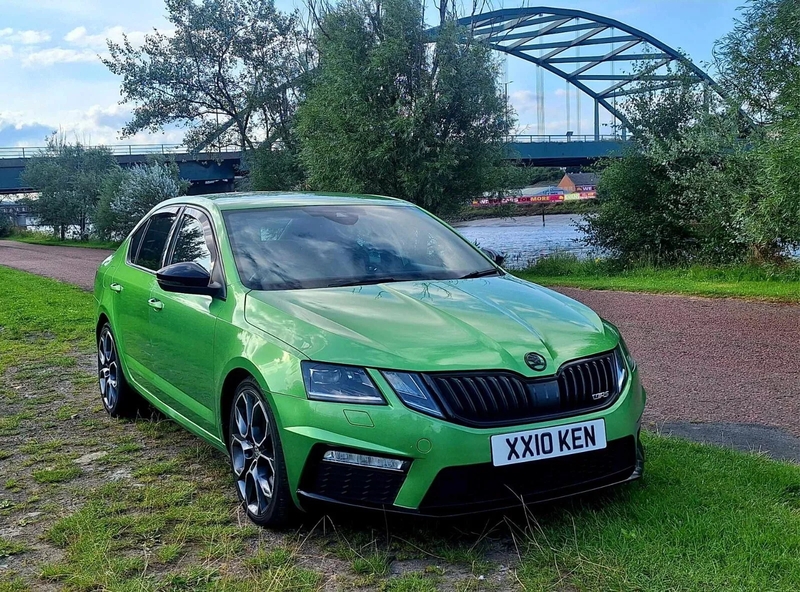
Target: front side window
151, 251
190, 242
348, 245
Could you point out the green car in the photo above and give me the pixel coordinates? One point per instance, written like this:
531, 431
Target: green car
356, 350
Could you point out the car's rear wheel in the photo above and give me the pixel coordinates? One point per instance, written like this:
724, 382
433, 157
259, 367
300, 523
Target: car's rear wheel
257, 458
119, 399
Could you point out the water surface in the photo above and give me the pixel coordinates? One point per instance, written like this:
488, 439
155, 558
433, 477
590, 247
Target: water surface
525, 239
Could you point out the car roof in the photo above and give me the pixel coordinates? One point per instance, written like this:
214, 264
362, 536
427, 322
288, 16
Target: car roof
275, 199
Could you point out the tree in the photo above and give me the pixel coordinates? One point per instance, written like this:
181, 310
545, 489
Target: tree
128, 194
768, 210
229, 72
759, 60
386, 113
67, 178
759, 65
534, 175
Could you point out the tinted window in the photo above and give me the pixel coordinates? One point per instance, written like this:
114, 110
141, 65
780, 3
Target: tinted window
155, 239
190, 243
328, 246
136, 240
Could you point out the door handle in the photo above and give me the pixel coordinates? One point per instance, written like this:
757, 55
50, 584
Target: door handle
115, 287
155, 303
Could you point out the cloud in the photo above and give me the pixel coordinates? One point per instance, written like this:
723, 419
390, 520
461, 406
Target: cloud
6, 51
524, 101
23, 134
80, 37
29, 37
59, 55
113, 117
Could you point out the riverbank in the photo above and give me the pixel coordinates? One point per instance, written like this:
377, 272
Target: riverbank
520, 210
756, 282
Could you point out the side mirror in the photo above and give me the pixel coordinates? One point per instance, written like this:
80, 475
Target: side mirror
495, 256
187, 278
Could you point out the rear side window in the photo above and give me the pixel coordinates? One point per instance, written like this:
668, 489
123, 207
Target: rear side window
151, 251
136, 240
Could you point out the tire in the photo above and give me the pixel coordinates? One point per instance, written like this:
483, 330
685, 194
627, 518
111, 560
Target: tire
257, 460
119, 399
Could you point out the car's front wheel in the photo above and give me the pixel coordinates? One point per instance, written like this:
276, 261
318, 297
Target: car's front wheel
119, 399
257, 458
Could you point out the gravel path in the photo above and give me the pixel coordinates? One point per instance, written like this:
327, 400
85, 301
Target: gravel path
729, 362
710, 360
75, 265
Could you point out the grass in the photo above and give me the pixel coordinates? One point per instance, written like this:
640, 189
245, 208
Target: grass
57, 474
44, 238
703, 518
760, 282
9, 548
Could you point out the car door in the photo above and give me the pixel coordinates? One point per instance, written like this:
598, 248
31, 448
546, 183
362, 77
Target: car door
132, 284
182, 326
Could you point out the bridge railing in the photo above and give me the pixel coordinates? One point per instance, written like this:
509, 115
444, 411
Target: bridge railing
118, 150
529, 139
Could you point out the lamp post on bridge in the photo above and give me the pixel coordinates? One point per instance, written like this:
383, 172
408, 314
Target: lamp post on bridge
505, 93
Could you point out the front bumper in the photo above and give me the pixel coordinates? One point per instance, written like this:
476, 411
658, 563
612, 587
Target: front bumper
449, 470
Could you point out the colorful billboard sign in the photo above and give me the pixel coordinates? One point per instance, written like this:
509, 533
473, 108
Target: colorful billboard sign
539, 198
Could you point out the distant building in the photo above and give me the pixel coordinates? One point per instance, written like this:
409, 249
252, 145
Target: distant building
579, 182
18, 213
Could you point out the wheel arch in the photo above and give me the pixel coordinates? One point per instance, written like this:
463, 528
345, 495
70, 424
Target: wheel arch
238, 371
102, 319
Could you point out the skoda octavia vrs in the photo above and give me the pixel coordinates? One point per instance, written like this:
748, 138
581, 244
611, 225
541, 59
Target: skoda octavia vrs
356, 350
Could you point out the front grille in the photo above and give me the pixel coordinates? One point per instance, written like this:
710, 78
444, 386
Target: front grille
484, 486
505, 398
351, 483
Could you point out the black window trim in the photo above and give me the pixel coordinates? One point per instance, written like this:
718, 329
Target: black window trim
217, 266
177, 209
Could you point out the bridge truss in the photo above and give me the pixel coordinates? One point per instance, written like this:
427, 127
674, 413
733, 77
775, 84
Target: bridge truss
572, 44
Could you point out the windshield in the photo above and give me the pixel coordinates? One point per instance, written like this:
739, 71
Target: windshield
326, 246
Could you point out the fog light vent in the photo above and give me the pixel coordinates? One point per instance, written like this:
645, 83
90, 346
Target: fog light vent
364, 460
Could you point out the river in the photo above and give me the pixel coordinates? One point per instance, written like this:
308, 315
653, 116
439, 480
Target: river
525, 239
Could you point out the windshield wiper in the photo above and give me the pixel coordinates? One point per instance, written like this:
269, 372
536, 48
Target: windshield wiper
362, 282
482, 273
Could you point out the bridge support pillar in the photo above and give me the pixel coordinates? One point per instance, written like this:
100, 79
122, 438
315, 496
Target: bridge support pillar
596, 120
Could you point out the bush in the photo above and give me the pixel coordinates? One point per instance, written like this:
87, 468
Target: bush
6, 227
127, 195
274, 170
673, 198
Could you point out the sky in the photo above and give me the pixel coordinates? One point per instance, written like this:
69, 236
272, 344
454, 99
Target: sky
51, 77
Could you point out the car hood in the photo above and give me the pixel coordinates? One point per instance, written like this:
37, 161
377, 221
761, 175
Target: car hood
486, 323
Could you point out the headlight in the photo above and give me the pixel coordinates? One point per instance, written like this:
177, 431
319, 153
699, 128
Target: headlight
413, 392
628, 357
626, 365
621, 370
340, 384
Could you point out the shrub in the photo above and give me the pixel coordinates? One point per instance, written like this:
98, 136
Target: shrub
127, 195
5, 226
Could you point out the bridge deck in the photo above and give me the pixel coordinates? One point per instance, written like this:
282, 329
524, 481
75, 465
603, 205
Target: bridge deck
212, 166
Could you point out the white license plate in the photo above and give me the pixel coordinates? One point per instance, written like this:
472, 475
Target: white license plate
530, 445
